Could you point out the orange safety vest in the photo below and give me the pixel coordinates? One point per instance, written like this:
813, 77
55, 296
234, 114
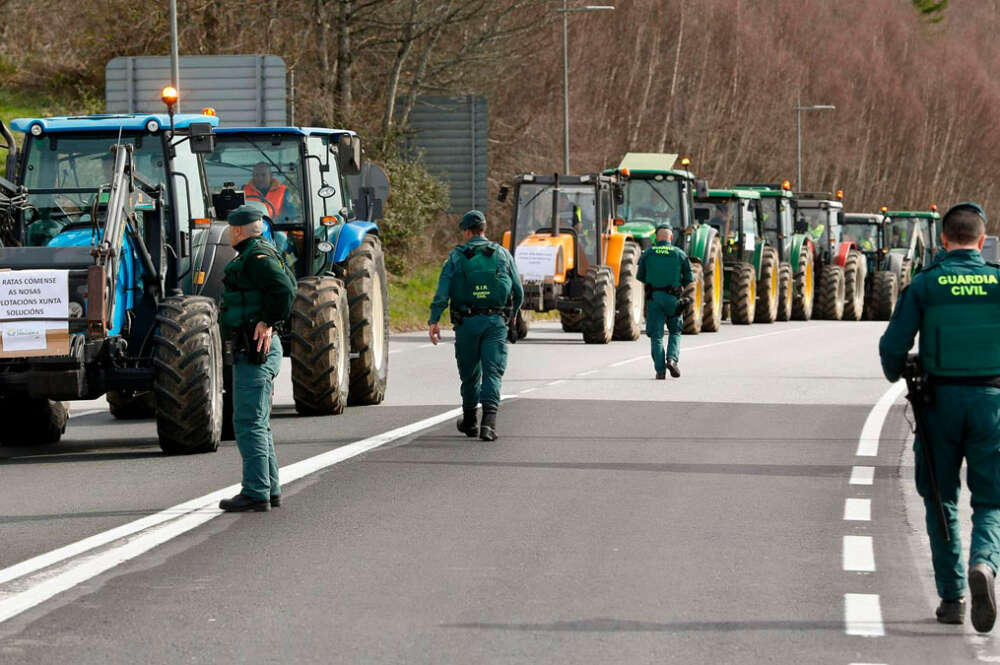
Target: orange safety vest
273, 200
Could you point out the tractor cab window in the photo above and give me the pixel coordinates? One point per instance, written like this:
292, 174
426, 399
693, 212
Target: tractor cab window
817, 220
865, 236
722, 215
653, 201
265, 168
576, 210
66, 170
748, 216
899, 233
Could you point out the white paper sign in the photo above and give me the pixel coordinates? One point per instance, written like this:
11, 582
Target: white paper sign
536, 262
32, 294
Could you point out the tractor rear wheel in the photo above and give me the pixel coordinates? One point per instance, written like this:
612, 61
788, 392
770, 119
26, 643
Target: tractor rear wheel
629, 299
131, 405
571, 321
785, 292
523, 323
768, 287
905, 273
187, 382
32, 421
743, 294
598, 323
368, 300
228, 427
320, 347
694, 312
831, 293
804, 293
714, 278
885, 290
855, 274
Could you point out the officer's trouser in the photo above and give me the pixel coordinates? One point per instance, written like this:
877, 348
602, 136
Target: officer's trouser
252, 388
659, 310
481, 352
963, 422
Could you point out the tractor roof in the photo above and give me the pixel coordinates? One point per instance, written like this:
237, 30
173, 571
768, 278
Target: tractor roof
647, 165
864, 218
769, 191
732, 194
920, 214
297, 131
110, 122
585, 179
817, 200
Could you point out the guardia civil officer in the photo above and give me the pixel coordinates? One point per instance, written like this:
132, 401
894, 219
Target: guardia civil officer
955, 306
259, 290
665, 270
481, 283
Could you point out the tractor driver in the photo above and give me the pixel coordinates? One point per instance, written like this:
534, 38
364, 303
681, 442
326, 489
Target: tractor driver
665, 270
265, 188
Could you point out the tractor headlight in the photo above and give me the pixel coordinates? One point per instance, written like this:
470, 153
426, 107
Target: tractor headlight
36, 129
75, 310
152, 126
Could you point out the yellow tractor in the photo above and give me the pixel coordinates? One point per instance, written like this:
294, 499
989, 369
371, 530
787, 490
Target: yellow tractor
569, 259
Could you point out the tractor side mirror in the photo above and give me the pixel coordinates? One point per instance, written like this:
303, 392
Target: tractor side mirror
619, 194
801, 226
202, 138
349, 154
701, 189
502, 194
702, 215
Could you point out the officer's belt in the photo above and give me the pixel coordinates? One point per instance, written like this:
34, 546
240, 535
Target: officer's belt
981, 381
672, 290
470, 311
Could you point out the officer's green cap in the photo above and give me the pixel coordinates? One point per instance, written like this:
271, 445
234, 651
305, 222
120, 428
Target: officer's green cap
472, 218
664, 225
968, 205
245, 214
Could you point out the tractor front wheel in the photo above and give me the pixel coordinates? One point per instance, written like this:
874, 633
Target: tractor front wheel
571, 321
768, 287
714, 275
188, 375
855, 274
805, 286
885, 290
629, 296
368, 300
131, 405
32, 421
831, 293
320, 347
598, 322
743, 294
694, 312
785, 292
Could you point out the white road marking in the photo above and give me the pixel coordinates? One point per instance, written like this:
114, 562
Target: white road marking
859, 555
858, 510
425, 346
588, 372
556, 383
862, 475
527, 390
626, 362
872, 431
148, 532
396, 351
863, 615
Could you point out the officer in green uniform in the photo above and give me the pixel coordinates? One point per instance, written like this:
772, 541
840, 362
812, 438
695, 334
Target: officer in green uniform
665, 270
258, 295
480, 281
955, 306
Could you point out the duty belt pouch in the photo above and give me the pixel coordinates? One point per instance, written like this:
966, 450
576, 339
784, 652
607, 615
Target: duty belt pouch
254, 357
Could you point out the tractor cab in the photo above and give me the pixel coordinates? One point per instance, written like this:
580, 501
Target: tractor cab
297, 175
654, 192
733, 215
776, 215
818, 215
916, 233
869, 233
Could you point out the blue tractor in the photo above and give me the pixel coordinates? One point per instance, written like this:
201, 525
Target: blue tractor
98, 220
298, 175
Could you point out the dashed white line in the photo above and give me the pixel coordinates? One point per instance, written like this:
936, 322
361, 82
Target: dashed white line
872, 430
862, 475
626, 362
588, 372
863, 615
859, 554
858, 510
556, 383
527, 390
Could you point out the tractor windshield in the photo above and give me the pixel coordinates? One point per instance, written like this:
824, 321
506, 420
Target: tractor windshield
652, 201
817, 219
723, 215
576, 208
265, 168
900, 233
865, 236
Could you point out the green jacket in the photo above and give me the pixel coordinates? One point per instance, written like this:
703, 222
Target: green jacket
258, 287
442, 295
663, 265
955, 306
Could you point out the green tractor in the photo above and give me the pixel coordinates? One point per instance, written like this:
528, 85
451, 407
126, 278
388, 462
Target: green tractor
751, 266
916, 231
778, 220
655, 192
842, 268
889, 268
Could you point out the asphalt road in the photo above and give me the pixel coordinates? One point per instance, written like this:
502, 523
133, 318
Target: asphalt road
735, 515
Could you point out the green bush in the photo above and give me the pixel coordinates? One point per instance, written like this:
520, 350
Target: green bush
416, 197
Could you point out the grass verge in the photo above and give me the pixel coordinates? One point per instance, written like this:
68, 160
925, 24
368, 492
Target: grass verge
410, 298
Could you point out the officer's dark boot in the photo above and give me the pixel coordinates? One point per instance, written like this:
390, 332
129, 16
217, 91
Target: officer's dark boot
672, 367
660, 376
469, 423
488, 428
241, 503
984, 603
951, 611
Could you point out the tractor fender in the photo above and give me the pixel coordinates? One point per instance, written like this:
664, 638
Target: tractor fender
212, 253
348, 238
799, 243
701, 241
842, 251
758, 255
615, 244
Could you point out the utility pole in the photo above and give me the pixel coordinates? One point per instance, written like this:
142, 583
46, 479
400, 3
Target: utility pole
799, 186
175, 61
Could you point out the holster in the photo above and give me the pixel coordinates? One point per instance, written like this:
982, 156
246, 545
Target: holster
246, 345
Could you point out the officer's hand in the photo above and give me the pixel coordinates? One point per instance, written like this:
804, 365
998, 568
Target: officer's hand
435, 333
262, 335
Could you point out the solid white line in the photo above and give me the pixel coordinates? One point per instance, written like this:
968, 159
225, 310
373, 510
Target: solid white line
858, 510
527, 390
862, 475
396, 351
204, 506
626, 362
588, 372
556, 383
425, 346
872, 430
863, 615
859, 556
